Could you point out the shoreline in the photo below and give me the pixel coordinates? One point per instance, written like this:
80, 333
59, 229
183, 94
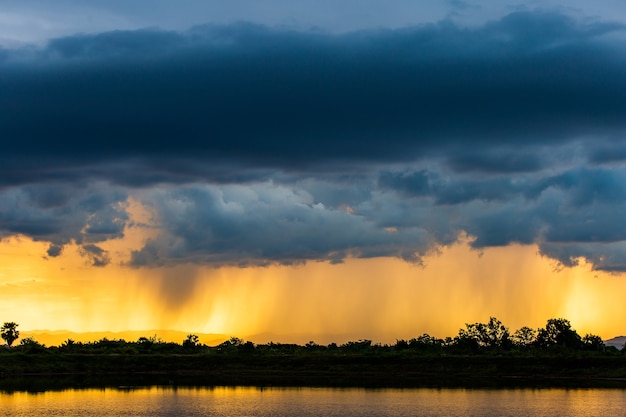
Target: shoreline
56, 371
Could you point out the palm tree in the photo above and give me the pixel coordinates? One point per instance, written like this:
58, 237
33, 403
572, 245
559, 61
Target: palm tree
9, 332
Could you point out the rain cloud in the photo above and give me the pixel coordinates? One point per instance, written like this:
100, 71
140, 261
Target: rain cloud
254, 145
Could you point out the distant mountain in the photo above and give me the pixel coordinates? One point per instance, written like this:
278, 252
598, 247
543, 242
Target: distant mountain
303, 338
618, 342
57, 337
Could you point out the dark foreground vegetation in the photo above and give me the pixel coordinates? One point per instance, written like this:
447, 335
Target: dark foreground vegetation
482, 354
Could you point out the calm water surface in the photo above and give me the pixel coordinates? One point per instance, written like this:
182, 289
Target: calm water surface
244, 401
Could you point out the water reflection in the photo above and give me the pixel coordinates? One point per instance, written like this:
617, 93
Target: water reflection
249, 401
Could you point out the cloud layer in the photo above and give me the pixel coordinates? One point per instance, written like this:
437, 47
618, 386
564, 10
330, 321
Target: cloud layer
253, 145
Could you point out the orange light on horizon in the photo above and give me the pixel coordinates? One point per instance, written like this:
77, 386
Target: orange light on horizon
382, 299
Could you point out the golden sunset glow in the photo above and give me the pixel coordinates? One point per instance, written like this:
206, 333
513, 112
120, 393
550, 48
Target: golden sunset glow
373, 179
382, 299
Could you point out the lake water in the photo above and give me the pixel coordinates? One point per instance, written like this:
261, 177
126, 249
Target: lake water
245, 401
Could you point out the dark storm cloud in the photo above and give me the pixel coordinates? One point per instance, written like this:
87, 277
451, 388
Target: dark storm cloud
54, 250
98, 256
576, 213
271, 98
252, 145
406, 215
607, 153
265, 224
582, 186
457, 190
498, 160
62, 214
605, 257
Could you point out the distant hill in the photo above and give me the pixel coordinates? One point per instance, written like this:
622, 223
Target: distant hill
57, 337
303, 338
618, 342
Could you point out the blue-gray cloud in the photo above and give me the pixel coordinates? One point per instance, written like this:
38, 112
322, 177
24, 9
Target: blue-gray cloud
34, 20
62, 214
278, 99
254, 145
263, 224
576, 213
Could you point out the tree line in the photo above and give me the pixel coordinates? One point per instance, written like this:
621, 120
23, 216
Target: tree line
557, 336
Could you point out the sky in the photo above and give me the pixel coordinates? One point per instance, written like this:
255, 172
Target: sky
312, 170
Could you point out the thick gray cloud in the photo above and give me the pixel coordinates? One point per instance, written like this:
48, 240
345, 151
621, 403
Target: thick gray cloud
576, 213
253, 144
63, 214
98, 256
265, 223
36, 20
277, 99
604, 256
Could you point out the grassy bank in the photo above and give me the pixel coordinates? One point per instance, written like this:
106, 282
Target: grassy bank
392, 370
482, 354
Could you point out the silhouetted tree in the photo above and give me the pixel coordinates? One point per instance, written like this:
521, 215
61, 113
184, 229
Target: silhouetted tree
149, 344
464, 343
9, 332
524, 337
30, 345
593, 342
401, 344
191, 341
492, 334
235, 341
496, 334
558, 332
358, 346
426, 342
246, 346
230, 345
69, 345
311, 345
